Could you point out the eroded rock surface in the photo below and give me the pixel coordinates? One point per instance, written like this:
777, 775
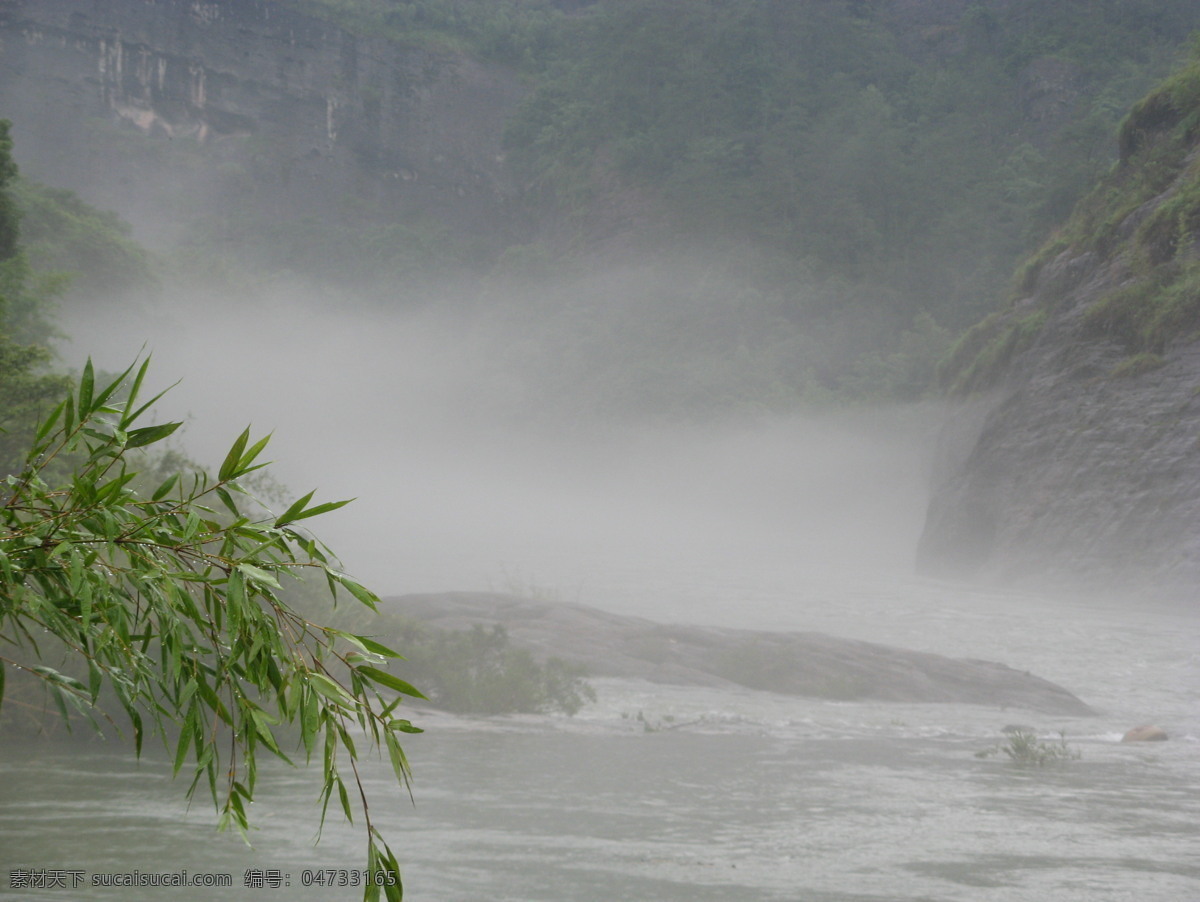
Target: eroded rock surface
811, 664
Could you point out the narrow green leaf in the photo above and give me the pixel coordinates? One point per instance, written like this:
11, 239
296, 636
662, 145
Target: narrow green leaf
161, 491
227, 500
308, 722
261, 722
377, 648
313, 511
258, 575
366, 596
87, 383
255, 450
148, 435
229, 468
48, 423
138, 732
95, 678
57, 692
133, 391
109, 390
396, 755
185, 739
331, 690
365, 644
131, 417
392, 682
290, 514
345, 800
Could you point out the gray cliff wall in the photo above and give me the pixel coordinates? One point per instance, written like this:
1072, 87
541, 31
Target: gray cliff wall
171, 107
1080, 463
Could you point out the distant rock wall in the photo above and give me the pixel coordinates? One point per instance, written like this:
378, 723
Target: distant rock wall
241, 97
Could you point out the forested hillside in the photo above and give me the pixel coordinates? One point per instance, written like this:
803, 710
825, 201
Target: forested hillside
883, 164
850, 182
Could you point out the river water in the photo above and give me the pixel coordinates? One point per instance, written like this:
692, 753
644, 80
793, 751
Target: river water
675, 793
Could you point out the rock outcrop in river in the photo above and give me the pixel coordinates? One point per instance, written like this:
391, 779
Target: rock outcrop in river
811, 664
1079, 455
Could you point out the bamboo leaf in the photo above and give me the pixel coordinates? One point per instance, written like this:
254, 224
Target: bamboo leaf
167, 484
86, 385
132, 417
227, 500
331, 690
229, 468
290, 514
324, 508
403, 726
377, 648
364, 643
109, 390
258, 575
48, 423
367, 597
255, 450
383, 678
148, 435
345, 800
134, 389
185, 739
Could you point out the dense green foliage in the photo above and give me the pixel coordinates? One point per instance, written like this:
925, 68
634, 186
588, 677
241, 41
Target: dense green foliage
874, 169
169, 598
25, 388
842, 136
60, 233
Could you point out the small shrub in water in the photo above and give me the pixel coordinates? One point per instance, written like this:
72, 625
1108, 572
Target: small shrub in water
1024, 749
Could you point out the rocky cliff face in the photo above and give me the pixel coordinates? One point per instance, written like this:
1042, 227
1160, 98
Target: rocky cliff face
248, 100
1078, 455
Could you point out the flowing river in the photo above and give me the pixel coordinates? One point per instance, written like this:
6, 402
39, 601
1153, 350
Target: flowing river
674, 793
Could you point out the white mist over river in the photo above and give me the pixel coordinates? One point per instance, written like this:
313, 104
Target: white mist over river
766, 522
429, 419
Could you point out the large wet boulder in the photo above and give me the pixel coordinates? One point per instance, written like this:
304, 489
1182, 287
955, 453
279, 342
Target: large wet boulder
797, 663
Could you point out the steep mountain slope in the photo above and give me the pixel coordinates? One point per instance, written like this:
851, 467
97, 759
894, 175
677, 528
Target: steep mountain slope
1081, 453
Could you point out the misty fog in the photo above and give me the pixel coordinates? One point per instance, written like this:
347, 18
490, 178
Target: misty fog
486, 454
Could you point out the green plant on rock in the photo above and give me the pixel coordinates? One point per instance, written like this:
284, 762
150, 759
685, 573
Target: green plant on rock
169, 599
1024, 749
983, 352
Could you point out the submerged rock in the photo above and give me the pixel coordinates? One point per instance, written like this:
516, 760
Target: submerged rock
1145, 733
809, 664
